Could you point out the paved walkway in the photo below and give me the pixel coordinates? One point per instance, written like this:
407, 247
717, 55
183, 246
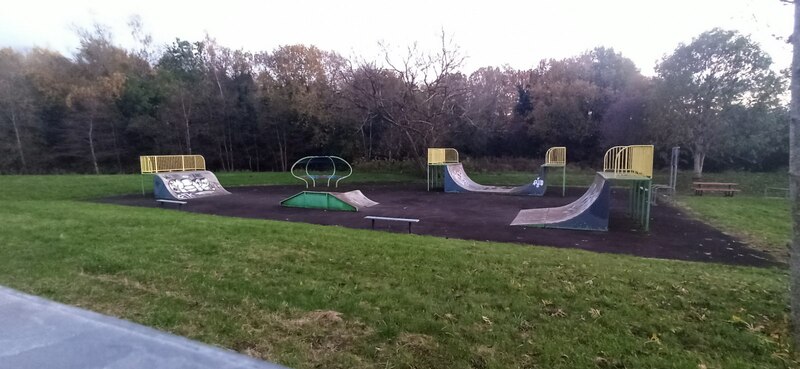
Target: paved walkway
38, 333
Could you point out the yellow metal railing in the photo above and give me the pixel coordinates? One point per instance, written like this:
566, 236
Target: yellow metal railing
556, 157
171, 163
610, 161
437, 156
635, 160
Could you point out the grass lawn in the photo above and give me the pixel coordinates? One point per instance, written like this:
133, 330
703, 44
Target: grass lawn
310, 296
751, 183
763, 222
79, 187
578, 177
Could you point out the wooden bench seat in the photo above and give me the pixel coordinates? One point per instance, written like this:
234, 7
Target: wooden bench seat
728, 189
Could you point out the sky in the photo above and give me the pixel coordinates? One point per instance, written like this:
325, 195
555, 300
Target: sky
489, 33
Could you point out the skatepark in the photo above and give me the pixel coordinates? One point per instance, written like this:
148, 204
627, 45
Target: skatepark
428, 185
612, 215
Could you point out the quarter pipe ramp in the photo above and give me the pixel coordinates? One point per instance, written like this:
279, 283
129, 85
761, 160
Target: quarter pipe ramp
456, 180
187, 185
589, 212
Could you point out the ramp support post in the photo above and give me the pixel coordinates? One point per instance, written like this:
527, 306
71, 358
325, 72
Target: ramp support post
639, 203
435, 175
647, 206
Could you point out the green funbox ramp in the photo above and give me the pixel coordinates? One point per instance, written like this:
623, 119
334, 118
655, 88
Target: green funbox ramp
336, 201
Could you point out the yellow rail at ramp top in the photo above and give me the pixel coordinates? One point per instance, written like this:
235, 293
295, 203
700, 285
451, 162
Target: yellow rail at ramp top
171, 163
556, 157
635, 160
441, 156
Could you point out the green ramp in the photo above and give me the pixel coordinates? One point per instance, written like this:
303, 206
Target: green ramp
348, 201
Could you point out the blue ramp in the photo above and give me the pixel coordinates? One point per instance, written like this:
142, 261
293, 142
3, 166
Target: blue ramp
589, 212
456, 180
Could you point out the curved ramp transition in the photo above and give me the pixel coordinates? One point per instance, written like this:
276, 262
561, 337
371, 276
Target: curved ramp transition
456, 180
187, 185
589, 212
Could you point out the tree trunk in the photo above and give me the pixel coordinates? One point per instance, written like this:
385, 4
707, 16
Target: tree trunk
91, 146
19, 141
794, 177
188, 131
417, 157
369, 153
281, 151
220, 152
230, 150
116, 148
285, 153
227, 137
699, 160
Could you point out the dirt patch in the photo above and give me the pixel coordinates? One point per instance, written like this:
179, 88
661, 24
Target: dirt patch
321, 317
416, 340
486, 217
324, 338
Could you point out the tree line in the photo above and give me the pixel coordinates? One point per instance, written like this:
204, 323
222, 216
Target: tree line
96, 111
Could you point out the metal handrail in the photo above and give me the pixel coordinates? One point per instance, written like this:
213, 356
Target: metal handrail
556, 156
634, 159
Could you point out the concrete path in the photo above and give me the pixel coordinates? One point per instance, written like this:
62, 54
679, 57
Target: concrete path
38, 333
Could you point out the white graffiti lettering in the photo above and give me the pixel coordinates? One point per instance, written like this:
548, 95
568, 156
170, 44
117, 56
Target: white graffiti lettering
186, 187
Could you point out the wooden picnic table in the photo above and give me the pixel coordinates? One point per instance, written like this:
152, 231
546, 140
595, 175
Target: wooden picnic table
727, 188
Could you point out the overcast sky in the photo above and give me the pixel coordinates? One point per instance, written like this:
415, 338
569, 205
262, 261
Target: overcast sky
497, 32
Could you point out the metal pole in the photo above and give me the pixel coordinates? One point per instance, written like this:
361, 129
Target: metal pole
638, 200
673, 170
631, 199
647, 211
645, 201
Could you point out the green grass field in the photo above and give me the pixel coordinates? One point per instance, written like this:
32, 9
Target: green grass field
310, 296
763, 222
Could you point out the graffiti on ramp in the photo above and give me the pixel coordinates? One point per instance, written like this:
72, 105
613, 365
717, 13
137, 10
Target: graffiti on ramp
187, 185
